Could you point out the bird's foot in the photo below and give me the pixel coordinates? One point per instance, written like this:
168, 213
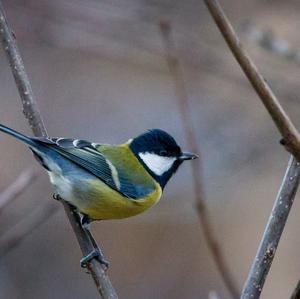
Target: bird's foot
85, 221
56, 196
95, 254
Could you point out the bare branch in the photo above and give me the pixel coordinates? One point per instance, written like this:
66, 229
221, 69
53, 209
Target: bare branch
17, 233
30, 108
100, 277
183, 103
24, 180
269, 243
34, 118
267, 248
284, 125
296, 293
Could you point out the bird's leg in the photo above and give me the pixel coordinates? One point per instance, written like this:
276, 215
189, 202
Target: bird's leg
96, 252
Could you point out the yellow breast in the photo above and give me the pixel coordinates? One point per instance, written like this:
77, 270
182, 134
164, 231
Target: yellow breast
102, 202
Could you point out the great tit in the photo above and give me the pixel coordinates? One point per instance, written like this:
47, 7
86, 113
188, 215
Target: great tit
108, 181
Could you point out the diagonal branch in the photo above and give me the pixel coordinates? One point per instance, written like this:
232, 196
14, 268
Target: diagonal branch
269, 243
35, 121
183, 103
280, 118
30, 108
18, 232
296, 292
24, 180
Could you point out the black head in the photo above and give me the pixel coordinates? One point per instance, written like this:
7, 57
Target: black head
159, 153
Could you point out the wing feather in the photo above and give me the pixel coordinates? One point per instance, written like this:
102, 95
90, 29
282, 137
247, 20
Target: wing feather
86, 155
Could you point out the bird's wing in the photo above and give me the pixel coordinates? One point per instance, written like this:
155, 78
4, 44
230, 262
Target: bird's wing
86, 155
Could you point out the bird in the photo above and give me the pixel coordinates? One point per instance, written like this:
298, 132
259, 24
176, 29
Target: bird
104, 181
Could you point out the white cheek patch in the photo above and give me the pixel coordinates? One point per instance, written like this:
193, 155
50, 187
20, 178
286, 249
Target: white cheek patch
157, 164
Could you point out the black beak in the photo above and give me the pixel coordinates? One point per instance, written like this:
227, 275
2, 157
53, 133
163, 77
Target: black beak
187, 156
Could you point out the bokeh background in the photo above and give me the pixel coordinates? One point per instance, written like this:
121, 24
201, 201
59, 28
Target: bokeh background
98, 71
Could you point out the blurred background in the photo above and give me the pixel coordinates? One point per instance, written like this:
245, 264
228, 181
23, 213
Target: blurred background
99, 72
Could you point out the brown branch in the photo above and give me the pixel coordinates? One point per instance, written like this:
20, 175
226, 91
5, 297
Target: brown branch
22, 182
296, 293
183, 103
273, 231
267, 248
100, 277
10, 47
17, 233
284, 125
35, 121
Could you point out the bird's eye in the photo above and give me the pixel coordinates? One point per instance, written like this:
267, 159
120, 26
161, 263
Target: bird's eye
163, 153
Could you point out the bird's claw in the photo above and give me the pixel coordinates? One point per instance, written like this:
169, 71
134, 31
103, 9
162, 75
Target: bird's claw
85, 221
56, 196
95, 254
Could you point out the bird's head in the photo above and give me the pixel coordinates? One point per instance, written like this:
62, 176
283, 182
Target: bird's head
159, 153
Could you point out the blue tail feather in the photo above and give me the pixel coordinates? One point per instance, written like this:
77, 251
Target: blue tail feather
36, 148
18, 135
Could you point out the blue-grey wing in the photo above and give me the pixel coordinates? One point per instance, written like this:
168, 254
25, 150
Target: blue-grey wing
84, 154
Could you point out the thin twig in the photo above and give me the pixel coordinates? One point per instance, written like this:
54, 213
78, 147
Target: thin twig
18, 233
267, 248
34, 118
296, 293
183, 103
24, 180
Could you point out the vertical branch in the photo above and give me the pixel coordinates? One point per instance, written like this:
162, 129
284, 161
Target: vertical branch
183, 103
10, 47
273, 231
35, 121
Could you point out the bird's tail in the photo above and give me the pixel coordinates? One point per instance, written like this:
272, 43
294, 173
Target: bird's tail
18, 135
